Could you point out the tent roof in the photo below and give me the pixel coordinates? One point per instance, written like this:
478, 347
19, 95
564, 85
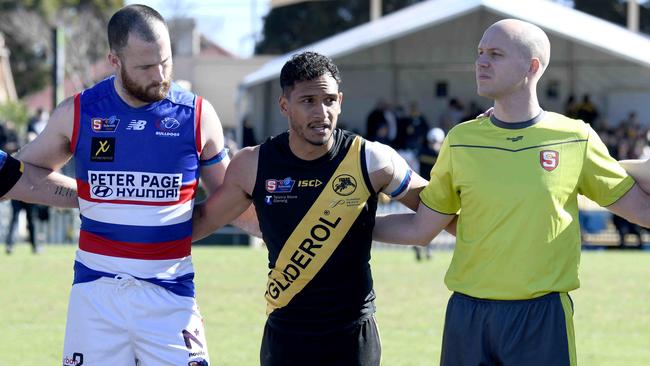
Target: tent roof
561, 20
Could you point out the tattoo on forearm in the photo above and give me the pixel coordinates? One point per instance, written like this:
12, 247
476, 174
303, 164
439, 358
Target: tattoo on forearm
64, 192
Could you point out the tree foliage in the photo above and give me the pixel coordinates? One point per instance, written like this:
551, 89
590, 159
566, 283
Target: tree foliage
27, 29
294, 26
289, 27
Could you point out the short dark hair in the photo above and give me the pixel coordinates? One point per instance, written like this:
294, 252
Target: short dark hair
306, 66
136, 19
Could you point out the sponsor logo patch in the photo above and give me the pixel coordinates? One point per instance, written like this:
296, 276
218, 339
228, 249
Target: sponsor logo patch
344, 185
167, 127
309, 183
102, 150
104, 124
138, 186
136, 125
280, 186
77, 359
549, 159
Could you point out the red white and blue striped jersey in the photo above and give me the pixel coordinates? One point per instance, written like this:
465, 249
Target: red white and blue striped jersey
137, 171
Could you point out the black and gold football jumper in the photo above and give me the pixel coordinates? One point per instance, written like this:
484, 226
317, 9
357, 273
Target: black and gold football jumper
316, 218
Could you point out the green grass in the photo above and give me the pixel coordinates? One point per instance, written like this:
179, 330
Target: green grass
612, 313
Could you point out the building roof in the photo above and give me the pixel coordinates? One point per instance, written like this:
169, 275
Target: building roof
552, 17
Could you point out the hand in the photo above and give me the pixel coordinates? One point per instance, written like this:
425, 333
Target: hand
487, 113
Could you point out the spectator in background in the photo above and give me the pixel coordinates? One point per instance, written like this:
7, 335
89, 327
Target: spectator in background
37, 124
382, 122
587, 110
571, 107
412, 129
473, 111
452, 115
248, 133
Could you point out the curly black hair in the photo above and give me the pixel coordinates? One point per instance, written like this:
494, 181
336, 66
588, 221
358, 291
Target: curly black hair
306, 66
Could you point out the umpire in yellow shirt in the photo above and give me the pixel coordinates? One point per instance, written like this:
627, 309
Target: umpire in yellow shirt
513, 178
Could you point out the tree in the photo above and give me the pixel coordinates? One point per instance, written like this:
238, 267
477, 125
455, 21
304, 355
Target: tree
289, 27
27, 27
615, 11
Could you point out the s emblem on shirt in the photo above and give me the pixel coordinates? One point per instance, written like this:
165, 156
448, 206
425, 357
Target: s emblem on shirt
549, 159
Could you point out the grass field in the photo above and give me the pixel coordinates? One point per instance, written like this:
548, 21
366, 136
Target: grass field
612, 313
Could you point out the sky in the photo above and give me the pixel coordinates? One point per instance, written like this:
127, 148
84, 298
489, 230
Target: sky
229, 23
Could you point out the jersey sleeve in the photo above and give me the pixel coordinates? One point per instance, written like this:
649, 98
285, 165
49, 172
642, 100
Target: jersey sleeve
380, 156
441, 194
603, 179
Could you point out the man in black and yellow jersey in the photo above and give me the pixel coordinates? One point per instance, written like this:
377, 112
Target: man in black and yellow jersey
315, 191
513, 178
28, 183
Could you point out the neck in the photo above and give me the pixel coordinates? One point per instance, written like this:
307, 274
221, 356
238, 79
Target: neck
126, 97
517, 107
306, 151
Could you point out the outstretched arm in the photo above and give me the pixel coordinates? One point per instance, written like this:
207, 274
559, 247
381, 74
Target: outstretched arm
417, 228
640, 171
230, 199
38, 185
633, 206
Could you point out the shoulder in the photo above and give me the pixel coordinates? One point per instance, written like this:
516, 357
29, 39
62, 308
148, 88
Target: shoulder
178, 95
567, 125
98, 91
470, 127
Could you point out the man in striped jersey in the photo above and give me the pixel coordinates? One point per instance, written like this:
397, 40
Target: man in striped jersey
139, 143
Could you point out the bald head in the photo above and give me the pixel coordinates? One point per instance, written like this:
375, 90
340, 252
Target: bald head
530, 39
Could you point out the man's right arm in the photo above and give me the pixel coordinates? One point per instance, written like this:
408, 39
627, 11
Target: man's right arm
51, 149
230, 199
417, 228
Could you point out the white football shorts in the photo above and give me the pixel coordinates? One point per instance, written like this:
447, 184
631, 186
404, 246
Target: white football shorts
124, 321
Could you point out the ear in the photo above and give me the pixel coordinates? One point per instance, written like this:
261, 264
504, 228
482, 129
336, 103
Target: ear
340, 99
114, 60
535, 66
283, 102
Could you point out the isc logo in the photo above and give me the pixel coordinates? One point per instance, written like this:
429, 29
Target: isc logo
136, 125
309, 183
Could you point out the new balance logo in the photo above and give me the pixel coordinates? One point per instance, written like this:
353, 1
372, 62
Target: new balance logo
136, 125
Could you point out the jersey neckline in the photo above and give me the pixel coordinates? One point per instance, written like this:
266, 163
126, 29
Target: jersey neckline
517, 125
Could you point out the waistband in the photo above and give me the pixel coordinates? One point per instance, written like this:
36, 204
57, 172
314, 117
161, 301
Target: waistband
549, 296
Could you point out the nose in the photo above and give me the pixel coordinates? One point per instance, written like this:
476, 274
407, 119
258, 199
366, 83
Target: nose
159, 73
320, 110
481, 61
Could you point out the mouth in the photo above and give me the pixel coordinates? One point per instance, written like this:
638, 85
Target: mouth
320, 128
482, 77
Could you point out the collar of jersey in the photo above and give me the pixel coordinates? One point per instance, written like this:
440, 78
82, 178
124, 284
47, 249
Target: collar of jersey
517, 125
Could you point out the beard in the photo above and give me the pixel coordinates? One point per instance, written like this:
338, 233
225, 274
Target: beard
149, 94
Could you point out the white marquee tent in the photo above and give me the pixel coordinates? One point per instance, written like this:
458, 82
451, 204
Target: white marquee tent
407, 55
